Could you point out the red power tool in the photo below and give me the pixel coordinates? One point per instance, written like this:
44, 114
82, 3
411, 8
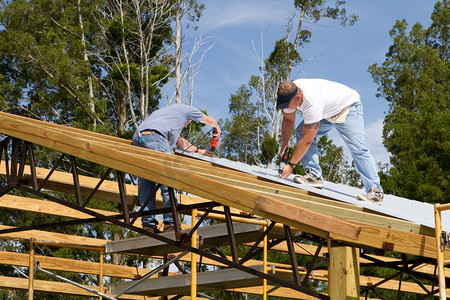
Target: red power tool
284, 159
214, 140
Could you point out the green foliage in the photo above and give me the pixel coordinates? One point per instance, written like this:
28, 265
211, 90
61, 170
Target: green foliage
244, 129
277, 64
269, 148
414, 79
317, 9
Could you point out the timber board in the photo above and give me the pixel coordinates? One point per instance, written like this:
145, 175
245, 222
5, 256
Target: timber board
117, 156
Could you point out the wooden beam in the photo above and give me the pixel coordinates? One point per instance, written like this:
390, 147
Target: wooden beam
120, 157
270, 189
343, 280
47, 207
62, 288
62, 181
70, 265
64, 240
263, 186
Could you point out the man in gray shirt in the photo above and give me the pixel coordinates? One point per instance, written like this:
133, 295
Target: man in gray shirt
161, 132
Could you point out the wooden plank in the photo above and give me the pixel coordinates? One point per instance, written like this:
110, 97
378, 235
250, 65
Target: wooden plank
62, 288
62, 181
57, 238
266, 186
51, 263
121, 159
387, 222
343, 280
272, 208
275, 191
47, 207
400, 241
70, 265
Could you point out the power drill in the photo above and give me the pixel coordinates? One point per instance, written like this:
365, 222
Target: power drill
214, 141
284, 159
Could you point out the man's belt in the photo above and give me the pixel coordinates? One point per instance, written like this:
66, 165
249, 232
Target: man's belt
149, 131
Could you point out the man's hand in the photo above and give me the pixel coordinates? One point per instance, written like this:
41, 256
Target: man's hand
218, 132
281, 151
287, 170
205, 152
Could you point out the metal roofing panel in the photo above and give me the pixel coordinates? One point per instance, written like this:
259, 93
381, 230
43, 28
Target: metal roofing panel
402, 208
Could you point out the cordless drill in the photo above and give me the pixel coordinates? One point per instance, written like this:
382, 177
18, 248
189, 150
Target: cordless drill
284, 159
214, 141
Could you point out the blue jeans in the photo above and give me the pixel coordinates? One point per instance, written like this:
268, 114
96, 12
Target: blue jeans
352, 132
146, 187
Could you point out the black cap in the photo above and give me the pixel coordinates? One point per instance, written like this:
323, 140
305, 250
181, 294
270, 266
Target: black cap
283, 101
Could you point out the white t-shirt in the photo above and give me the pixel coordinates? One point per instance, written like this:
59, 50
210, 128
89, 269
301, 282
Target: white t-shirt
323, 99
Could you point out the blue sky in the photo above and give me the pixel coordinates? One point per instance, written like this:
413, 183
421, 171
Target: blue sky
341, 54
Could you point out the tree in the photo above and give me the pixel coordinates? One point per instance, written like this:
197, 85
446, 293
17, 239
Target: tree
244, 129
89, 64
44, 43
415, 80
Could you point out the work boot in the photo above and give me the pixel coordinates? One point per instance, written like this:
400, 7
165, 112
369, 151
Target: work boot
152, 229
309, 179
168, 227
374, 195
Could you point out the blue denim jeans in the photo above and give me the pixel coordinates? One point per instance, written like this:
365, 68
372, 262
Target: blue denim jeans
146, 187
352, 132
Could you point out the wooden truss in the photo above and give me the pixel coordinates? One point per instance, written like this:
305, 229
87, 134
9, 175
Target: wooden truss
223, 191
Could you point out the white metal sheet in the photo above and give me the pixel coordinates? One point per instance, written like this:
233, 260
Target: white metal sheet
402, 208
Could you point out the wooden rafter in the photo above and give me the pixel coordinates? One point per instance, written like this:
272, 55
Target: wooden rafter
143, 163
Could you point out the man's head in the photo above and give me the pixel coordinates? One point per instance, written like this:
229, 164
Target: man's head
286, 91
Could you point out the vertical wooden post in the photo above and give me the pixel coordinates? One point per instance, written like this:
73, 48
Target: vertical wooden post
100, 277
194, 257
343, 281
439, 251
31, 271
265, 263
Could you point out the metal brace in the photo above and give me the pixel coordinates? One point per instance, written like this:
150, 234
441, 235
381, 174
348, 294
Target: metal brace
445, 240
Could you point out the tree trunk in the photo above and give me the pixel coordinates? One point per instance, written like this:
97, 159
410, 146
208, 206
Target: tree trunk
121, 113
178, 53
91, 103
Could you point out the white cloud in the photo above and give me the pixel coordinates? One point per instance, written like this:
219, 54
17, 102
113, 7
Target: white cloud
233, 13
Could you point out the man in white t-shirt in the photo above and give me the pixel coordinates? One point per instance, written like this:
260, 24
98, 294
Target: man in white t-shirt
325, 105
